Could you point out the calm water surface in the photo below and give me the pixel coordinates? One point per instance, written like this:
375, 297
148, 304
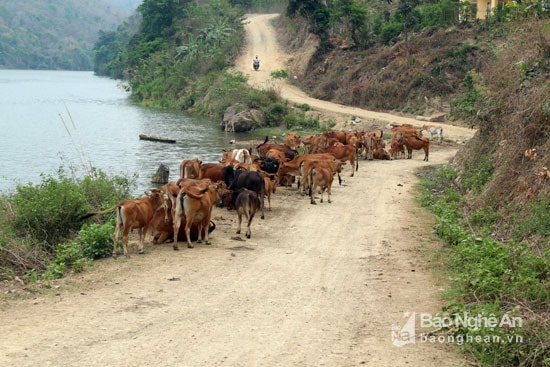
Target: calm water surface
54, 118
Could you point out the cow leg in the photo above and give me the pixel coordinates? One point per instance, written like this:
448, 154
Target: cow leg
177, 216
204, 231
250, 216
142, 236
188, 233
176, 230
125, 240
262, 204
118, 226
162, 237
313, 189
240, 215
328, 194
115, 239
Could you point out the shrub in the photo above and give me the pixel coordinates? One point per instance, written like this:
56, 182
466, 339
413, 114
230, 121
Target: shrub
67, 255
39, 222
50, 210
478, 173
537, 223
300, 121
493, 278
279, 74
484, 217
389, 31
274, 114
96, 240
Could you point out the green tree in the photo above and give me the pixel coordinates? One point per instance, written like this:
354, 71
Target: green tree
158, 16
409, 16
317, 14
353, 16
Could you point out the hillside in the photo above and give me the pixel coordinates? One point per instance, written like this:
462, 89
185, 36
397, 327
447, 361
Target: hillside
37, 34
493, 78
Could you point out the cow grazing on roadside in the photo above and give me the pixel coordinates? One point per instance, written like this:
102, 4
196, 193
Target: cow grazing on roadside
270, 181
237, 179
245, 202
344, 153
334, 166
194, 206
321, 177
434, 131
397, 150
162, 225
413, 142
294, 167
133, 214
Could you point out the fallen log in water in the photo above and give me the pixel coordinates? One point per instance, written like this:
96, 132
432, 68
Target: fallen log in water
156, 138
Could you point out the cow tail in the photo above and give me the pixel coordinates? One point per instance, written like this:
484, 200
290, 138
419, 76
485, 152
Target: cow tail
182, 197
120, 219
311, 177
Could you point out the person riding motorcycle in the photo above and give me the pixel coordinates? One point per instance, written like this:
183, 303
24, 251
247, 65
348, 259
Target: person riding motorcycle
256, 62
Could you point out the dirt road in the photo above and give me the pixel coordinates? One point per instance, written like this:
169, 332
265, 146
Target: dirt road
261, 41
315, 286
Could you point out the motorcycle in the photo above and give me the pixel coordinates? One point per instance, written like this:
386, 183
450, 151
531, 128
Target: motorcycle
256, 64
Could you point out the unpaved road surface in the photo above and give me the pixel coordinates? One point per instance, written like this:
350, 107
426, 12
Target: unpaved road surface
316, 285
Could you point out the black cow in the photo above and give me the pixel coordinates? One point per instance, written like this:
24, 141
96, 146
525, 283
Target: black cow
270, 165
238, 178
245, 202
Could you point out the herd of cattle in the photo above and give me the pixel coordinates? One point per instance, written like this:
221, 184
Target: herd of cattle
243, 178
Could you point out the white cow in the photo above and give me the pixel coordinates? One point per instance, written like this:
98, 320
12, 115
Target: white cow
434, 131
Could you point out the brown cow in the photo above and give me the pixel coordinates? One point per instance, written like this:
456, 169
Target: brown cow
278, 155
335, 166
344, 153
313, 143
415, 142
293, 140
195, 204
339, 135
397, 151
320, 177
189, 168
270, 185
294, 167
162, 225
133, 214
263, 148
213, 171
381, 153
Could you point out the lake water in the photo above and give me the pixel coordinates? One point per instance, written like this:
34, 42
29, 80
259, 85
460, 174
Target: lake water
54, 118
